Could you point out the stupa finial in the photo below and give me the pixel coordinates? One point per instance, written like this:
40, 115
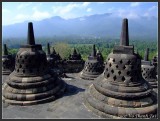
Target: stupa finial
48, 49
5, 49
94, 51
30, 39
146, 54
124, 33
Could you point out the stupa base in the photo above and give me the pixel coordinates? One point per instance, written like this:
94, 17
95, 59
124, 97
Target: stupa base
108, 107
87, 76
33, 95
6, 72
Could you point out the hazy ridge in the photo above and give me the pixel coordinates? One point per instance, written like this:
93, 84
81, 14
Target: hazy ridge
98, 25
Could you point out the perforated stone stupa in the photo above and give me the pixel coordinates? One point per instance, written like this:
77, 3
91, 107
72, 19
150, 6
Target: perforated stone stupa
155, 63
54, 61
30, 82
7, 61
93, 66
149, 70
74, 63
100, 57
121, 92
53, 58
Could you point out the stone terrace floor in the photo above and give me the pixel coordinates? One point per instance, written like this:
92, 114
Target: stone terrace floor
70, 105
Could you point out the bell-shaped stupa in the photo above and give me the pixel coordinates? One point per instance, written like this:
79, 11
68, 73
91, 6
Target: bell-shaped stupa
56, 56
50, 60
74, 63
53, 58
149, 70
54, 61
100, 57
121, 92
30, 82
7, 62
154, 62
93, 66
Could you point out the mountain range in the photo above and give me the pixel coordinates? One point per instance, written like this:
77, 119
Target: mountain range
96, 25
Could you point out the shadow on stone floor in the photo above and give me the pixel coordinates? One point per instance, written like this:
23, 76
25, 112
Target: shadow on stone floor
72, 90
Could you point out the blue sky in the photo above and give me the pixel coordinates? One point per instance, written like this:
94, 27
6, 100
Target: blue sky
16, 12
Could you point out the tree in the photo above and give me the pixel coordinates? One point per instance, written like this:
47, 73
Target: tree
63, 49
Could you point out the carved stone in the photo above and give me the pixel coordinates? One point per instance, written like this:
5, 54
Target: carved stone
100, 57
74, 63
53, 58
54, 61
93, 66
121, 91
149, 70
30, 82
7, 62
155, 63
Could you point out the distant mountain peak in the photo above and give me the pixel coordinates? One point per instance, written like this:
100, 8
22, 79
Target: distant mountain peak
57, 17
92, 25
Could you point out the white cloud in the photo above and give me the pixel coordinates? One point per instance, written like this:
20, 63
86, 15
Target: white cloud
34, 8
120, 12
85, 4
82, 19
135, 4
146, 14
132, 15
110, 9
100, 2
89, 9
64, 9
69, 8
67, 11
149, 12
21, 16
5, 10
152, 8
37, 15
23, 5
123, 13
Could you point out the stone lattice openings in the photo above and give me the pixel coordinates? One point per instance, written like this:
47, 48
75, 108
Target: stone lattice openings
30, 82
121, 92
93, 66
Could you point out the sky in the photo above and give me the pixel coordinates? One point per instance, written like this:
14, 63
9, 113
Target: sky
17, 12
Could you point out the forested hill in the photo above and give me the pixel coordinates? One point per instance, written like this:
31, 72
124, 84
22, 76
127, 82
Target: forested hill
98, 25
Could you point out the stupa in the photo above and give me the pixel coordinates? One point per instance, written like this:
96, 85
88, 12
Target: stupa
149, 70
56, 56
30, 82
121, 92
54, 61
100, 57
49, 58
154, 62
52, 57
7, 61
93, 66
74, 63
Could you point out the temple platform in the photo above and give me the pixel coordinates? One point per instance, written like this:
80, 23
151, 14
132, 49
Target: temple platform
70, 105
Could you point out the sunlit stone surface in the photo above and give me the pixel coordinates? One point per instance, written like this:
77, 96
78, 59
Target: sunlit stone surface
93, 66
121, 91
30, 82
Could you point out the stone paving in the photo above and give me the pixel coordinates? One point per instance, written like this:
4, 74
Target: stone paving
70, 105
